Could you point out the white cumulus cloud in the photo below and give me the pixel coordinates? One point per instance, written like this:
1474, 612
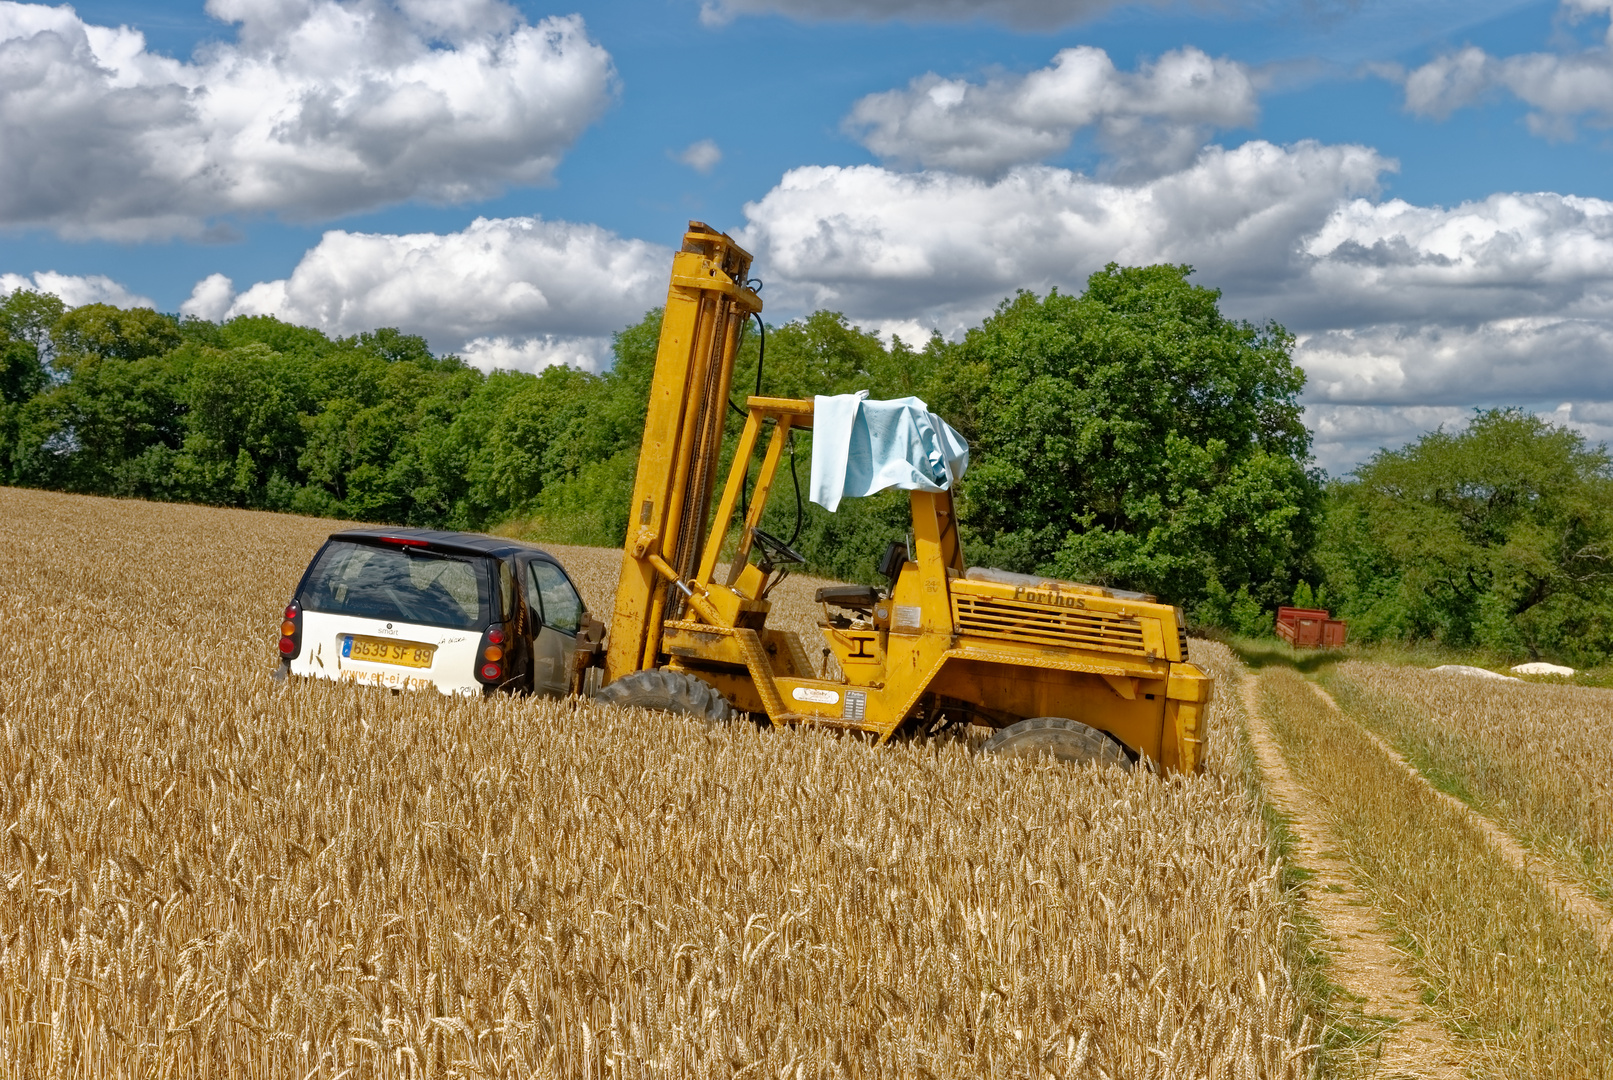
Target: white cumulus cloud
316, 108
210, 299
943, 248
1345, 435
702, 156
75, 290
1506, 257
1151, 121
537, 353
1561, 88
1406, 316
511, 292
1448, 363
1038, 14
1425, 311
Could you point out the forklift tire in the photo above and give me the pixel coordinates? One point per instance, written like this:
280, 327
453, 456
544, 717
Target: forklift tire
1063, 740
669, 691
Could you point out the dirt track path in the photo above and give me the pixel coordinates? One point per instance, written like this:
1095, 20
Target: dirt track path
1573, 898
1364, 962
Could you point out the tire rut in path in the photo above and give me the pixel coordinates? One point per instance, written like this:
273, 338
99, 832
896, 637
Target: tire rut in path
1573, 899
1363, 961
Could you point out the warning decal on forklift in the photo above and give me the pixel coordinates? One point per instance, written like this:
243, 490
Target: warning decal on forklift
856, 705
812, 693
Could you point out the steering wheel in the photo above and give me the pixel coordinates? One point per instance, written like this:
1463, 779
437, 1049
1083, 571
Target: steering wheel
774, 550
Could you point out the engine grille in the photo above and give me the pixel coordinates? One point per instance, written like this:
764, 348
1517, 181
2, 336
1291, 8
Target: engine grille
1181, 639
1013, 620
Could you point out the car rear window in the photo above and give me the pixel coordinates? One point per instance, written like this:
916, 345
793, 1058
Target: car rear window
409, 585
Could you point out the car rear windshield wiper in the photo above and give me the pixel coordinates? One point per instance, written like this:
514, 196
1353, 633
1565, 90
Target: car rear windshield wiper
425, 552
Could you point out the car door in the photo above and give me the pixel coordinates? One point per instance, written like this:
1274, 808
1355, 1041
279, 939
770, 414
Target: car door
557, 613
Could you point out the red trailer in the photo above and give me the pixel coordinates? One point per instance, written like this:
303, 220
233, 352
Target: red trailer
1310, 628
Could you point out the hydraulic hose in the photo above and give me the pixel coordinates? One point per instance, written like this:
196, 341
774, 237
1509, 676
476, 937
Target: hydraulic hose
796, 480
755, 285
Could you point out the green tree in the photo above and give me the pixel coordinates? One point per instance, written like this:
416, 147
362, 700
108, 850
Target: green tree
441, 449
1129, 434
390, 343
543, 433
1134, 435
1500, 535
100, 431
21, 373
27, 316
243, 422
25, 348
820, 354
281, 337
114, 333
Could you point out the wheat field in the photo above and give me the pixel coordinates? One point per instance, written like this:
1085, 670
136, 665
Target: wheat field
209, 874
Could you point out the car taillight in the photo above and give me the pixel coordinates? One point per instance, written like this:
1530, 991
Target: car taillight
291, 631
490, 653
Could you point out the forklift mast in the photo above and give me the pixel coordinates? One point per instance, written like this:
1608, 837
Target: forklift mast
707, 305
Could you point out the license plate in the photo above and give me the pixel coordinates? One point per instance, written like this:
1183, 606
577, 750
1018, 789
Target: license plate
382, 651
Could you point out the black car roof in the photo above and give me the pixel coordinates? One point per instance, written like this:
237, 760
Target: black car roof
462, 542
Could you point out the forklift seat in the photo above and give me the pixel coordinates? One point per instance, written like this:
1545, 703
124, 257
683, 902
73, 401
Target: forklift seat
850, 597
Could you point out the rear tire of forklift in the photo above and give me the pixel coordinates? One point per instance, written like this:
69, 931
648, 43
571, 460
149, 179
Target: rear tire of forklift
1063, 740
669, 691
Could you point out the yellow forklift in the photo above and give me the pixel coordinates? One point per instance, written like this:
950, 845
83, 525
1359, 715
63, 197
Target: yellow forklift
1079, 672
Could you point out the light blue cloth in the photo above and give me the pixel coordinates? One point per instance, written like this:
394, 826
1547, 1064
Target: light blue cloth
861, 446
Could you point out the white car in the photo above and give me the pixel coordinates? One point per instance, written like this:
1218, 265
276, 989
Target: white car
415, 608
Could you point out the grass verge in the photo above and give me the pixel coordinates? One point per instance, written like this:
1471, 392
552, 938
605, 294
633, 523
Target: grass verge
1534, 759
1507, 971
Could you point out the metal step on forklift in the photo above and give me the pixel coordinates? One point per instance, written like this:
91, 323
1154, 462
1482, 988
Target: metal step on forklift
1077, 672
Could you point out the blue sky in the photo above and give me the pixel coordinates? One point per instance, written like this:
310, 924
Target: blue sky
796, 80
1414, 188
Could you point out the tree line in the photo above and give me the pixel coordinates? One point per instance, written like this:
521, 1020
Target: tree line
1129, 435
